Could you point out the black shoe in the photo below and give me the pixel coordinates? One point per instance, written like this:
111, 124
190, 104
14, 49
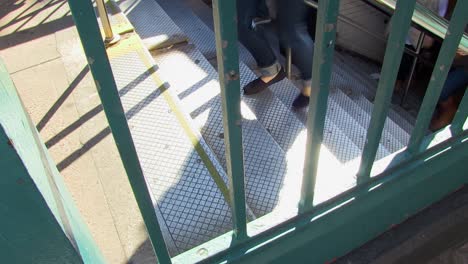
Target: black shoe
258, 85
301, 101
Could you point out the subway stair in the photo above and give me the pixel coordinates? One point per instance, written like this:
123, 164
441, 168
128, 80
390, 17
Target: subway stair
274, 135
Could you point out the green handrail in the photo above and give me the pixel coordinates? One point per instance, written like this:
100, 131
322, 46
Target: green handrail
400, 25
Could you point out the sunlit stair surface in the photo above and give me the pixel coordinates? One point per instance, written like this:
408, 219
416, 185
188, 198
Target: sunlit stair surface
274, 136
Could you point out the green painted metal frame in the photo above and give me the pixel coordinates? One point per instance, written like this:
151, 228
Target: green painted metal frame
39, 219
423, 19
461, 116
347, 220
225, 21
439, 75
327, 15
400, 25
88, 29
21, 195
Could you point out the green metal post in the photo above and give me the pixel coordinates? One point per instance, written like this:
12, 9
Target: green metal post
225, 21
461, 116
400, 24
88, 29
327, 15
439, 75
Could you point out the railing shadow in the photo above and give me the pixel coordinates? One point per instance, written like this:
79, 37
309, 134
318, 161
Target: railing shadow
55, 107
42, 28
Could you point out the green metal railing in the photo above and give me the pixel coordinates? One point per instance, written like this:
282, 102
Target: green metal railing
229, 78
439, 75
400, 24
351, 218
327, 15
90, 35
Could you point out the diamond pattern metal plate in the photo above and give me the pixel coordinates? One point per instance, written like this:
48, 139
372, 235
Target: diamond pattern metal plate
352, 78
392, 130
273, 135
199, 33
149, 20
193, 209
266, 165
367, 87
389, 142
274, 116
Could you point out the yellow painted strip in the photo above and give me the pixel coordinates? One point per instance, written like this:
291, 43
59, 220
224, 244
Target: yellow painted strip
125, 46
187, 129
133, 43
123, 28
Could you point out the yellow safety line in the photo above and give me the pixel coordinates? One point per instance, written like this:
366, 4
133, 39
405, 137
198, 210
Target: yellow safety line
134, 44
188, 129
126, 45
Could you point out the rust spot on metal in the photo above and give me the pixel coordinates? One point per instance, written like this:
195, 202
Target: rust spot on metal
225, 44
232, 75
10, 143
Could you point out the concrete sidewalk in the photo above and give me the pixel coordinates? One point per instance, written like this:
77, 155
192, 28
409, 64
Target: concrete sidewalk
43, 54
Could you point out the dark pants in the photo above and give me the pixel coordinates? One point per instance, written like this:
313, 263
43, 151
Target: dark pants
457, 79
292, 31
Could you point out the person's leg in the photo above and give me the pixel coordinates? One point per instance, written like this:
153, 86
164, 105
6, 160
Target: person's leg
257, 44
262, 10
457, 80
253, 40
312, 22
293, 33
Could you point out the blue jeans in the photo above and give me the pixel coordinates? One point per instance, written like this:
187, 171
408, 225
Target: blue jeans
292, 31
457, 79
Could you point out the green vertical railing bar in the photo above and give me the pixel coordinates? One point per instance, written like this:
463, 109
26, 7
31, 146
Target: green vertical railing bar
90, 35
460, 117
439, 74
400, 24
225, 22
327, 15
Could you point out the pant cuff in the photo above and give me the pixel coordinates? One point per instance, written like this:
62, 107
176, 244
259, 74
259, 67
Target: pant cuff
270, 70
